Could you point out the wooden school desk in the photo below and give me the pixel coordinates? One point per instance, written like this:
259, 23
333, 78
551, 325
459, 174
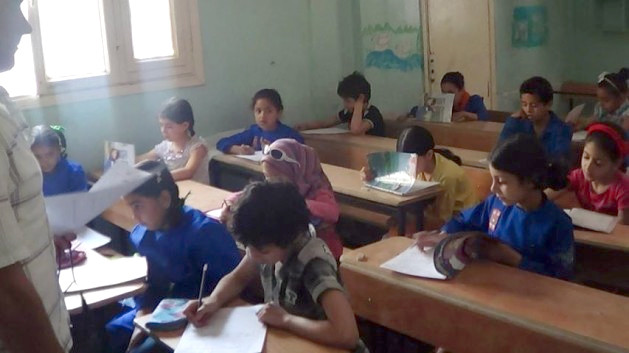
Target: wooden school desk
350, 151
574, 90
277, 341
346, 184
487, 308
100, 297
202, 197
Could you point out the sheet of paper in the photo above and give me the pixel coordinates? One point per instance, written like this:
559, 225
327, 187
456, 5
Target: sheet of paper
592, 220
579, 136
70, 212
414, 262
216, 214
326, 131
256, 157
89, 239
98, 272
230, 330
575, 112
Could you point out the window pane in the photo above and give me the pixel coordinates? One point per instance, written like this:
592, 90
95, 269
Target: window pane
20, 81
151, 29
73, 38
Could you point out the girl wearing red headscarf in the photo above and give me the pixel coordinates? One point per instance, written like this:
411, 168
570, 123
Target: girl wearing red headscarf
600, 184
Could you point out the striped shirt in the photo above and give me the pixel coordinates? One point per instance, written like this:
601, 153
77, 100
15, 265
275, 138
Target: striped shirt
25, 237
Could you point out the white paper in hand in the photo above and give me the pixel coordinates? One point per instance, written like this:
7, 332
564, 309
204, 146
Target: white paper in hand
70, 212
414, 262
230, 330
89, 239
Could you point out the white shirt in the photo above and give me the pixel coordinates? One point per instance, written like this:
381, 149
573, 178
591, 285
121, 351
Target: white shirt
25, 237
178, 159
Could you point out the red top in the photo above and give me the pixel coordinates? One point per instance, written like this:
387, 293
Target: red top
615, 198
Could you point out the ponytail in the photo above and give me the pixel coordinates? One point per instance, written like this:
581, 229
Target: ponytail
449, 155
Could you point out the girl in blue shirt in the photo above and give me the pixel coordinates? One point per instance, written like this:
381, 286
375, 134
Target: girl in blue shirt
60, 174
176, 241
267, 108
531, 232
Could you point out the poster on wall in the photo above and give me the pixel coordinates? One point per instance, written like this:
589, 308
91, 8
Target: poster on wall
390, 48
530, 26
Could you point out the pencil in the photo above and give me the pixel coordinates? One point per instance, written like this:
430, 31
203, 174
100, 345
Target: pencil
202, 284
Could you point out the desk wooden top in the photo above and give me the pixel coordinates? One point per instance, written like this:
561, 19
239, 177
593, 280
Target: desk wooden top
202, 197
526, 304
344, 181
617, 240
277, 341
101, 297
349, 151
578, 89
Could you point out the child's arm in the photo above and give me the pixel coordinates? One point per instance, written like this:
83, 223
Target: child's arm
150, 155
197, 156
339, 330
78, 181
324, 206
226, 290
463, 116
358, 125
239, 143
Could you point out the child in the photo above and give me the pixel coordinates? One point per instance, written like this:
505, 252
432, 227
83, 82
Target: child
185, 154
60, 174
537, 119
466, 107
267, 109
441, 166
177, 242
288, 160
301, 283
613, 102
599, 184
531, 232
361, 117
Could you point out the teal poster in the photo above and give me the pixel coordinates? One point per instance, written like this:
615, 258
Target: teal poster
530, 26
391, 48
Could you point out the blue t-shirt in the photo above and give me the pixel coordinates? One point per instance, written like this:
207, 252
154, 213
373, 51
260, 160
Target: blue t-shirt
67, 177
176, 256
247, 136
556, 138
544, 237
474, 105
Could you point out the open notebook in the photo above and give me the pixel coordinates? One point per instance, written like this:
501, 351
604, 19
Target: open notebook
592, 220
394, 172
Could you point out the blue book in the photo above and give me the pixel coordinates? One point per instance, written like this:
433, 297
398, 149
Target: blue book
168, 315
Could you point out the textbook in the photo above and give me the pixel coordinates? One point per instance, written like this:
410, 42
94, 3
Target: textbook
395, 172
116, 152
443, 261
437, 108
168, 315
592, 220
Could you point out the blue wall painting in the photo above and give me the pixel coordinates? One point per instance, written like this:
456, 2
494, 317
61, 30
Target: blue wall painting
530, 26
391, 48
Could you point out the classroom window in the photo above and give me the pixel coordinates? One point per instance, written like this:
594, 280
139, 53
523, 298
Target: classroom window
82, 49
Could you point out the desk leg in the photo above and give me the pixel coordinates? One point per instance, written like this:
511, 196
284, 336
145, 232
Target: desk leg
401, 221
419, 216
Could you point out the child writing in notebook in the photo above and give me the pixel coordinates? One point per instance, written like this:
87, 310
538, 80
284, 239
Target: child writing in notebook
61, 175
438, 165
613, 101
185, 153
536, 118
177, 242
466, 107
360, 116
267, 109
600, 185
302, 288
528, 230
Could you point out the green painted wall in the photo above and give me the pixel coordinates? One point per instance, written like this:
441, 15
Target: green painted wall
299, 47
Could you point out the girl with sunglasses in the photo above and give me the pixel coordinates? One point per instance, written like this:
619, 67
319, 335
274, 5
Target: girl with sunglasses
286, 160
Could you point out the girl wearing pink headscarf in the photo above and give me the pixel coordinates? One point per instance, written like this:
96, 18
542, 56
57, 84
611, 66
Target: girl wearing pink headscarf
288, 160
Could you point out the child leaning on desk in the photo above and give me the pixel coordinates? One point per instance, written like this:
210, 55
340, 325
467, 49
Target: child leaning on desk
177, 242
524, 229
302, 289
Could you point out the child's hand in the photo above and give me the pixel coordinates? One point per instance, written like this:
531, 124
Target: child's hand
199, 316
499, 252
63, 242
360, 101
225, 212
242, 149
273, 315
459, 117
366, 174
520, 114
427, 240
300, 126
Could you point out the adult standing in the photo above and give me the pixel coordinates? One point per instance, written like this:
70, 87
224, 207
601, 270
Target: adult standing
33, 317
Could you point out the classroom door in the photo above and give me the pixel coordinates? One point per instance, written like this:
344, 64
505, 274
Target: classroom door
459, 37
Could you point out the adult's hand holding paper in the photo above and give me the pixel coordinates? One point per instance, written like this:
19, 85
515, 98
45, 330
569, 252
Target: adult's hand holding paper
70, 212
230, 330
